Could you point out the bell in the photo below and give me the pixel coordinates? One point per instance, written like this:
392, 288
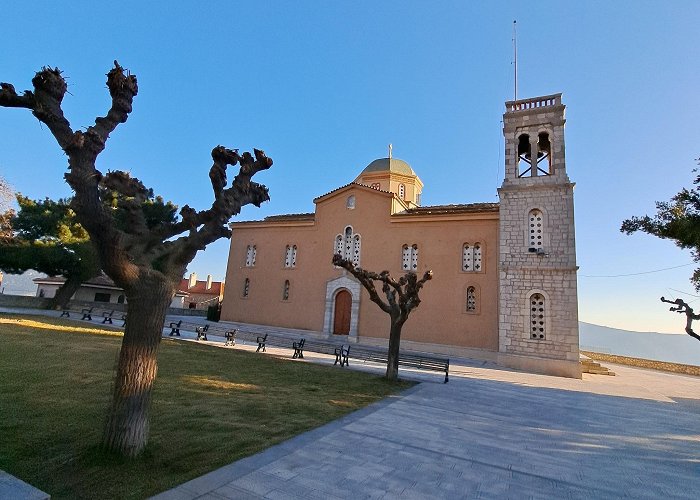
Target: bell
524, 146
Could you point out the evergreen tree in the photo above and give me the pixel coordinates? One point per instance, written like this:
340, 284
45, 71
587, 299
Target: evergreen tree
677, 220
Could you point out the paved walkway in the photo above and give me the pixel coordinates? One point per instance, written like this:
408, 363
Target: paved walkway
489, 433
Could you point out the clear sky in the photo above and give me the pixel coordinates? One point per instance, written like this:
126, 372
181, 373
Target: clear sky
324, 86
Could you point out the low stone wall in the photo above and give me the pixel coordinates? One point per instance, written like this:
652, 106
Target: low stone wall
177, 311
645, 363
23, 301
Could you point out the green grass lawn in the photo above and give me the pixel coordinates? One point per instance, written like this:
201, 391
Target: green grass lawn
210, 407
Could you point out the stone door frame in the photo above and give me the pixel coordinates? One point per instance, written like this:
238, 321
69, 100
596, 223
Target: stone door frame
334, 286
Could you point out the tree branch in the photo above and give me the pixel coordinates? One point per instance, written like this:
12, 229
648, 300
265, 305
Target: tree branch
45, 103
366, 278
683, 308
206, 226
123, 88
10, 99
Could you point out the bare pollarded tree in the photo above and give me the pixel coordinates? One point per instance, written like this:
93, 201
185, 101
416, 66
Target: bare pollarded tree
401, 298
145, 257
683, 308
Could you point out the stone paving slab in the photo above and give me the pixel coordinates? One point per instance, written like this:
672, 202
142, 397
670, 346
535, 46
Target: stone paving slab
13, 488
490, 434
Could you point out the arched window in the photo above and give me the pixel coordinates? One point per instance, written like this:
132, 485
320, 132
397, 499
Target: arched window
348, 245
120, 299
246, 287
471, 257
285, 292
535, 230
339, 245
290, 256
402, 191
409, 257
471, 299
250, 255
538, 311
356, 250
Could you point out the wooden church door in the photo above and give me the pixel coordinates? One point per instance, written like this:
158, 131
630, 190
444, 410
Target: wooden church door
343, 303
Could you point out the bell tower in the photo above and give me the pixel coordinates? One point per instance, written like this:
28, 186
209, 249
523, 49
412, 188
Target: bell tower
538, 303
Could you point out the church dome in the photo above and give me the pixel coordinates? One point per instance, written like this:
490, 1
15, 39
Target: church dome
389, 165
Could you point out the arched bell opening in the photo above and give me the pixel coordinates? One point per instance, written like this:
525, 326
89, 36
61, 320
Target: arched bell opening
524, 159
544, 152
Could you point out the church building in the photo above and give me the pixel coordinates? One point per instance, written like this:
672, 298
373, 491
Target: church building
504, 274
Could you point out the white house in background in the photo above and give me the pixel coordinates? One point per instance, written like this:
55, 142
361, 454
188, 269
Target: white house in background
98, 289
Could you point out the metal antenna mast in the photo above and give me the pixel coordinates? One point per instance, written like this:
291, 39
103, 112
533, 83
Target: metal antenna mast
515, 61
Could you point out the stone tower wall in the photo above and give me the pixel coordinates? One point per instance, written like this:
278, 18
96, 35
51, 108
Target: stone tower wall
550, 272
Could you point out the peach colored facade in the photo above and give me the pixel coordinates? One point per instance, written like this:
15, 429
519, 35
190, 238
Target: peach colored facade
385, 224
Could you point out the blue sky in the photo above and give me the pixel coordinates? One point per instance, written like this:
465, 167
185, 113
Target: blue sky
323, 87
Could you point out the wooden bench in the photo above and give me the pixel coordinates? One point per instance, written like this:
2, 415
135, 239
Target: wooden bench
341, 355
230, 336
422, 362
87, 313
408, 360
123, 318
298, 349
66, 313
107, 315
175, 328
361, 353
338, 350
262, 342
201, 332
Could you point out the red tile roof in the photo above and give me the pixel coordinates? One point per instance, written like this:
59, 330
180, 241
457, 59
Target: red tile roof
449, 209
201, 287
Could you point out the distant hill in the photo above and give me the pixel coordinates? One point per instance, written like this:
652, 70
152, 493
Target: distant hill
648, 345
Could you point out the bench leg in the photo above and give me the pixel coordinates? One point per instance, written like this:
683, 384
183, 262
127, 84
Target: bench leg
66, 314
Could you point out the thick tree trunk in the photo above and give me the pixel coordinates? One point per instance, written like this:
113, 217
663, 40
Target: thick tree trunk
392, 366
65, 292
127, 426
